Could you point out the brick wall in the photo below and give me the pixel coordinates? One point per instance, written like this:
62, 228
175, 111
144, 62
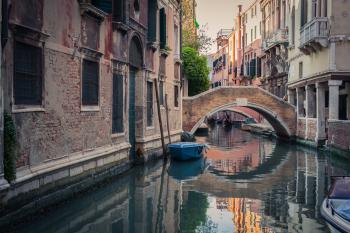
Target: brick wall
339, 134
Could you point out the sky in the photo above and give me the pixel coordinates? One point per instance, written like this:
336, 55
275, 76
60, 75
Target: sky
218, 14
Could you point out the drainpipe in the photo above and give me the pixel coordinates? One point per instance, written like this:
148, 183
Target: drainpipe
4, 23
181, 66
3, 6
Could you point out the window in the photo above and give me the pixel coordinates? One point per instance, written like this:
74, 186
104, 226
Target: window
176, 96
119, 11
303, 15
105, 5
152, 20
251, 35
255, 32
162, 29
176, 39
90, 87
118, 104
252, 12
300, 70
161, 92
149, 103
27, 82
293, 26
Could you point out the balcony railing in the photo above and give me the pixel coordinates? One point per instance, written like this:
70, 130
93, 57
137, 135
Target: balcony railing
314, 34
277, 37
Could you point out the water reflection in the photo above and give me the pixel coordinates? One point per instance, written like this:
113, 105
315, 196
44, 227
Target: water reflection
252, 184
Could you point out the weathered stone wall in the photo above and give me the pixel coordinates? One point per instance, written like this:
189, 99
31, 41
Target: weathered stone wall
301, 128
339, 134
311, 129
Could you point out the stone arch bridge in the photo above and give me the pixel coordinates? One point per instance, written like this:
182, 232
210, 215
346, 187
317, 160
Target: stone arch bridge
280, 114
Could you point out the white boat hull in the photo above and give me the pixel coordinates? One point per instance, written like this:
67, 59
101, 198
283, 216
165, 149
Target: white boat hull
336, 223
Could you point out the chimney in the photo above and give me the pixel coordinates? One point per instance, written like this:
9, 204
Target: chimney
239, 9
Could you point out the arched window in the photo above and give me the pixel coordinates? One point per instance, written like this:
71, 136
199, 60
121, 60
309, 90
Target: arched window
135, 53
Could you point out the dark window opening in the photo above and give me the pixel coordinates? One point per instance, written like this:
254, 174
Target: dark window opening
326, 96
90, 90
163, 28
105, 5
303, 15
119, 11
343, 107
161, 93
176, 96
27, 74
118, 104
149, 103
300, 70
152, 20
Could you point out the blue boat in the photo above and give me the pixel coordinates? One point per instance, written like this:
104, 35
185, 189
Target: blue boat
186, 150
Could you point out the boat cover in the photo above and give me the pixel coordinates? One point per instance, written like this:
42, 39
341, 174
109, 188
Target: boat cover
344, 210
340, 187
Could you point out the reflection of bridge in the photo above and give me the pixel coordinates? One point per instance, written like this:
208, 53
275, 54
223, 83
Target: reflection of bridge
280, 114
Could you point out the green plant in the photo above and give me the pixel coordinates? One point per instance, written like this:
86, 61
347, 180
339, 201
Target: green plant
9, 148
196, 71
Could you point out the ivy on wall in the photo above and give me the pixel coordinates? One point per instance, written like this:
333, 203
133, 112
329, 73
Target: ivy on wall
9, 148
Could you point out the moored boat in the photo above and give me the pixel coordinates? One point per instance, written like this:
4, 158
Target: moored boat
335, 208
186, 150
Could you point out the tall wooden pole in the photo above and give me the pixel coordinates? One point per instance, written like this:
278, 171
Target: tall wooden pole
167, 116
160, 118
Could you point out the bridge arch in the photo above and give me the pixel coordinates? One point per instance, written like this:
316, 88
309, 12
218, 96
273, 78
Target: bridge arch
280, 114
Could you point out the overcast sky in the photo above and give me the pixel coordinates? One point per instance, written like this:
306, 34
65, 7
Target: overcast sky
218, 14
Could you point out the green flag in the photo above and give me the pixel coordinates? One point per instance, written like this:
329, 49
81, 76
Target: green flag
196, 23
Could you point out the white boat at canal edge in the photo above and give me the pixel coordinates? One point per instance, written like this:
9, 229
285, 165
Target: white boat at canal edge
335, 208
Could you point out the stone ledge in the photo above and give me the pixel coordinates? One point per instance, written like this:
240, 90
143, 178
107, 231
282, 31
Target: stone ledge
38, 176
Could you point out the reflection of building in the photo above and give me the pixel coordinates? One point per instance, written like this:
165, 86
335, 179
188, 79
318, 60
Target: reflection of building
247, 216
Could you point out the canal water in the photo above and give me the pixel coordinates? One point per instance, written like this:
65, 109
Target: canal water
246, 183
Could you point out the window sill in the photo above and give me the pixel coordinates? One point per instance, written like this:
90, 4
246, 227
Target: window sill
150, 127
90, 108
118, 135
23, 109
177, 108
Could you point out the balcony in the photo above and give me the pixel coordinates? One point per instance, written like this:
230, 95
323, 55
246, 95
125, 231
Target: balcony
314, 35
278, 37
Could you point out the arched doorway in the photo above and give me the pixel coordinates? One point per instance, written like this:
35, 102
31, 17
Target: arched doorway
135, 66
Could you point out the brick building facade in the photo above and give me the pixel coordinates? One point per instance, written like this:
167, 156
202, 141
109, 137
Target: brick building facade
81, 89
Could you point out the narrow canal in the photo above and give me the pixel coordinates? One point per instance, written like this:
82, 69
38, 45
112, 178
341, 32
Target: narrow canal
247, 184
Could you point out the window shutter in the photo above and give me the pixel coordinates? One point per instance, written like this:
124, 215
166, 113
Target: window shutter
253, 67
105, 5
258, 67
161, 93
149, 103
152, 20
90, 90
118, 11
27, 74
162, 24
118, 104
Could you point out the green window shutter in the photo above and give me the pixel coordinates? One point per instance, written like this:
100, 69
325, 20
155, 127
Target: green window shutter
162, 24
105, 5
118, 11
149, 103
118, 104
152, 20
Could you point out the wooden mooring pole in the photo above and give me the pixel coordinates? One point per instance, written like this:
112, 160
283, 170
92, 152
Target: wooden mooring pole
167, 117
160, 119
